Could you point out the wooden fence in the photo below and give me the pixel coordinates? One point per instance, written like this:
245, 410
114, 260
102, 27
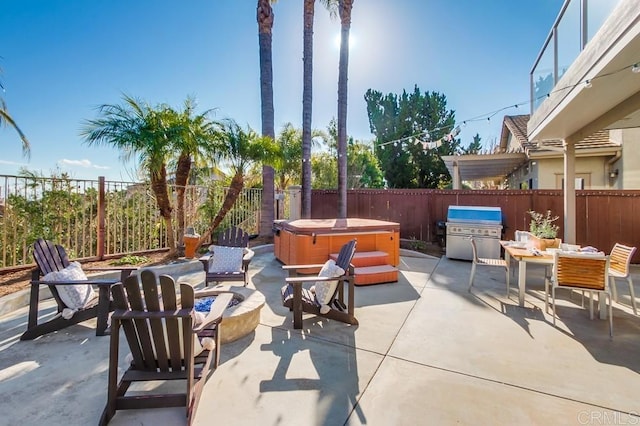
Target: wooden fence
602, 217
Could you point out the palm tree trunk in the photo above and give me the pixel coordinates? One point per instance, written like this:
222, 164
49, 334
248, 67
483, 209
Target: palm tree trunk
235, 188
265, 24
159, 188
183, 169
344, 8
307, 98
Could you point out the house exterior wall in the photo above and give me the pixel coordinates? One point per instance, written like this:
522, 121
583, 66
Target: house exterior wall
549, 172
628, 165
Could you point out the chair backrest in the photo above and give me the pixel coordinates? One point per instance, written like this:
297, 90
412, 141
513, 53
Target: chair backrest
346, 255
620, 258
49, 257
522, 236
589, 272
474, 249
233, 237
158, 326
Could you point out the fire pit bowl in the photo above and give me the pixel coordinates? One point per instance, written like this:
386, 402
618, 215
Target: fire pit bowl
241, 318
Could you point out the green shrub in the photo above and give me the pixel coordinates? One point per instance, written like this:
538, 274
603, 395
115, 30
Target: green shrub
130, 260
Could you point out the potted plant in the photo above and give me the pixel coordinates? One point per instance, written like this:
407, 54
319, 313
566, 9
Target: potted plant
544, 230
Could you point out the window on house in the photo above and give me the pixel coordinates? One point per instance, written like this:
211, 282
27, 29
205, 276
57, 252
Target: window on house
583, 181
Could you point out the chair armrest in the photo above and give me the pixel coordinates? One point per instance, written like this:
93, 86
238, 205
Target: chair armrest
310, 266
217, 309
246, 259
310, 279
111, 268
248, 255
76, 282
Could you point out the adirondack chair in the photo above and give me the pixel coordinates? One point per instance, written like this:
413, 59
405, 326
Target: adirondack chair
299, 299
166, 340
230, 258
50, 257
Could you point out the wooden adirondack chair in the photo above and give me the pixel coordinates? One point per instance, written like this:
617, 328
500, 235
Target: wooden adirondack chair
50, 257
231, 237
299, 299
165, 343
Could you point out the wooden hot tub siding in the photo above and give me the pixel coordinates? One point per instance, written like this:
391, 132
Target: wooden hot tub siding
310, 241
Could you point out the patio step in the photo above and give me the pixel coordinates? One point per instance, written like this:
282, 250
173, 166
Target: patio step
366, 258
378, 274
372, 267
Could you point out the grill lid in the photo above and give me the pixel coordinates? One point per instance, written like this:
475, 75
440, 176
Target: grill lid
475, 214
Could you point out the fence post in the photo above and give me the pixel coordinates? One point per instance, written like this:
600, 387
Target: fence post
101, 214
295, 202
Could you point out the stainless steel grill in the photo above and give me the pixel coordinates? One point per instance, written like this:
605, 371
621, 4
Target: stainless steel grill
482, 223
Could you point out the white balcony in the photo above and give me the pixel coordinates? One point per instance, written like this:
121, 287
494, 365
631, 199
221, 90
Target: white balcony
597, 89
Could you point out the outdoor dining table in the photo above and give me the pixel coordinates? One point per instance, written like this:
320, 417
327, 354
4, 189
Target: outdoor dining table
525, 255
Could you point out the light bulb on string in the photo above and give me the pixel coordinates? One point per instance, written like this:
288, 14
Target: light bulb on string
587, 84
635, 68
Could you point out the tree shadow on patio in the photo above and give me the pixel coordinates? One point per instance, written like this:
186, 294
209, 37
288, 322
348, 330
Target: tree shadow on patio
329, 369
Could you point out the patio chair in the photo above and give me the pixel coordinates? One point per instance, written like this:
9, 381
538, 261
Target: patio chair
166, 339
584, 272
483, 261
328, 298
229, 259
72, 291
619, 261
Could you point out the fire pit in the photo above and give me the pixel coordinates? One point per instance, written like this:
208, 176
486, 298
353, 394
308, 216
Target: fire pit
243, 314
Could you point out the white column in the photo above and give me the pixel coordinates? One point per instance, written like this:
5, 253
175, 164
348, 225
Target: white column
295, 202
569, 191
456, 176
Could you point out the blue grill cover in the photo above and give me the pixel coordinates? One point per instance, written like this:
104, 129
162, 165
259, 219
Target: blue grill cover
476, 214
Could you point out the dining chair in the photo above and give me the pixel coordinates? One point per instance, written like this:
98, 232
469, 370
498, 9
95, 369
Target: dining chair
483, 261
584, 272
619, 261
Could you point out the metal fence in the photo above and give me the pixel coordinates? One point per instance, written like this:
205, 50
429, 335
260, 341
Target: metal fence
100, 219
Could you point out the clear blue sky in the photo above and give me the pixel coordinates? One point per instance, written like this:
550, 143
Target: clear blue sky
63, 58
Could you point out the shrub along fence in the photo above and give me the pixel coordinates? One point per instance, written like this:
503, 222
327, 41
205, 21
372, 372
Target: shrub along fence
602, 217
98, 219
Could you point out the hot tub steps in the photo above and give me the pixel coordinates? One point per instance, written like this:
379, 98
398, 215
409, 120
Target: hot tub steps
366, 258
376, 274
372, 267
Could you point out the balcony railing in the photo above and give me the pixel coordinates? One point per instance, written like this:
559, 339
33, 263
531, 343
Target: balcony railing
576, 24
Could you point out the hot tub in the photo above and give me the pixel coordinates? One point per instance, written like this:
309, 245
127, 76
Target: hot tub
311, 241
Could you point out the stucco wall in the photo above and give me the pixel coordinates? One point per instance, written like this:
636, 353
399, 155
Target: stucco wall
628, 165
548, 173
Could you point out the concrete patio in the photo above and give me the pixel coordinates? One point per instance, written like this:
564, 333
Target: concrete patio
426, 352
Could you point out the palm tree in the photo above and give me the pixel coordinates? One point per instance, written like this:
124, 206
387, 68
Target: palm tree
5, 119
193, 141
344, 8
242, 150
265, 25
289, 145
137, 129
307, 97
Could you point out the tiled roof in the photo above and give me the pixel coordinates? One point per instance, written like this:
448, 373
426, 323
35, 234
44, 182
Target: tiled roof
517, 125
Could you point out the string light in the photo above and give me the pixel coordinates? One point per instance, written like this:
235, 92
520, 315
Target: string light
635, 68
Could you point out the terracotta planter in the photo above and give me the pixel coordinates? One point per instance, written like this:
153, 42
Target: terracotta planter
544, 243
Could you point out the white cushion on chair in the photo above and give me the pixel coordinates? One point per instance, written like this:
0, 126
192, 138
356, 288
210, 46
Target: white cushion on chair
226, 259
325, 289
74, 296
